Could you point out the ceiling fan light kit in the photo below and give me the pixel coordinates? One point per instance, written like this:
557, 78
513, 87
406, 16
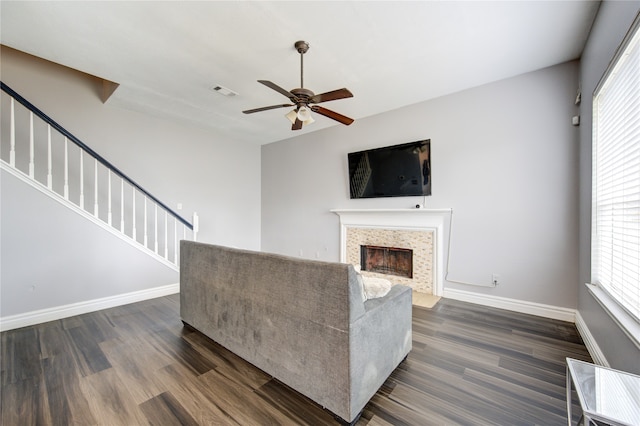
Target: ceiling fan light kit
304, 113
293, 115
304, 99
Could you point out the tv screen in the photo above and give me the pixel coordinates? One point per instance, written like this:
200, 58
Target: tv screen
394, 171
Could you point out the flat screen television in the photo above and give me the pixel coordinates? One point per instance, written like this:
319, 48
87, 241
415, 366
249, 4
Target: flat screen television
394, 171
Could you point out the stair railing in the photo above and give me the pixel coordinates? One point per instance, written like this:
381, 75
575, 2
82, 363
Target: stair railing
39, 150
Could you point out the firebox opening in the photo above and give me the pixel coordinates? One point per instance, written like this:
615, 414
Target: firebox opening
387, 260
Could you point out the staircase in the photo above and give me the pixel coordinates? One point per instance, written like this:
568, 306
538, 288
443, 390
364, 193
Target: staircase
107, 240
45, 155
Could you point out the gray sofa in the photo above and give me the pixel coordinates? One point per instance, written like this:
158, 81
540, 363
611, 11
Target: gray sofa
303, 322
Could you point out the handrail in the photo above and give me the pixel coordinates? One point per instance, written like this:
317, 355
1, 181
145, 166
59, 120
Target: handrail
90, 151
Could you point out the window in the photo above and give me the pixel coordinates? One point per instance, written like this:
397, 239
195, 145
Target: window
616, 178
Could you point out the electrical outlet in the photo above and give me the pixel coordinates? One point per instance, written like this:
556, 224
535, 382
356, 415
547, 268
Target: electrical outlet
495, 279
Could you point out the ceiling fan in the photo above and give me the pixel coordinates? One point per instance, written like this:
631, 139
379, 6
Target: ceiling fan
304, 99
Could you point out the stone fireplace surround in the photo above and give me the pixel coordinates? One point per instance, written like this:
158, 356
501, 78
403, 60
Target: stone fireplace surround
425, 225
420, 241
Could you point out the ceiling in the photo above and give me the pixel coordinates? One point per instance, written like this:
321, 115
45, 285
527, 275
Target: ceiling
167, 56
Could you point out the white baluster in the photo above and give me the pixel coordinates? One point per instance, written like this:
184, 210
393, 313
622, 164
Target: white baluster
81, 180
122, 205
146, 239
32, 167
133, 212
66, 168
49, 166
95, 187
196, 226
109, 214
166, 235
175, 240
156, 227
12, 134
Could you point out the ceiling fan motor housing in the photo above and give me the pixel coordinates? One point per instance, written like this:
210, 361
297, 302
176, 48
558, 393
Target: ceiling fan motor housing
302, 96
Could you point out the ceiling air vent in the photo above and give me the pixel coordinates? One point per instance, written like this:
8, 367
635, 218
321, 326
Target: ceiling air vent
224, 91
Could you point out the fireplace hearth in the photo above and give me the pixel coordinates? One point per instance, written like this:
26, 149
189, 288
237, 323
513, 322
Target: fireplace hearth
387, 260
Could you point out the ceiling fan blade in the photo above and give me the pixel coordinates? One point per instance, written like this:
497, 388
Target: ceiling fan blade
279, 89
251, 111
331, 96
297, 125
332, 114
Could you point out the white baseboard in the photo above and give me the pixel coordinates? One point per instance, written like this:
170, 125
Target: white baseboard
539, 309
590, 342
51, 314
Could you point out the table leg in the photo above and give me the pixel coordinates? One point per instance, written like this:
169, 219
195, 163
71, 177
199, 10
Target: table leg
568, 396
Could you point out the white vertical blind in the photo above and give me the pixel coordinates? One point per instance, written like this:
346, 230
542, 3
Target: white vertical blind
616, 178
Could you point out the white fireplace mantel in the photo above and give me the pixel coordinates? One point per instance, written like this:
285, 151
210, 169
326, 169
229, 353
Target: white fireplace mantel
407, 219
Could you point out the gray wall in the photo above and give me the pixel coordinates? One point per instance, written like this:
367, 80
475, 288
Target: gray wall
505, 158
612, 22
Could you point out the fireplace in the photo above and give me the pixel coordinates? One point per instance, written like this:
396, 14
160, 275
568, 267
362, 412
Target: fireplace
387, 260
420, 230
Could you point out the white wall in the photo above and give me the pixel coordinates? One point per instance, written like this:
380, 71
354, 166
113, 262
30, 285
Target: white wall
504, 158
177, 163
612, 23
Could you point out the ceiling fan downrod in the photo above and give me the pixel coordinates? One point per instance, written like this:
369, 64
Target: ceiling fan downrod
302, 47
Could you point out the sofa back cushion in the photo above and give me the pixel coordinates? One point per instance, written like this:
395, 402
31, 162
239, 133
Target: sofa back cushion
295, 287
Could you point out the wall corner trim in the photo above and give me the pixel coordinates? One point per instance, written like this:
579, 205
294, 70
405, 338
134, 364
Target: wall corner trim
522, 306
51, 314
590, 342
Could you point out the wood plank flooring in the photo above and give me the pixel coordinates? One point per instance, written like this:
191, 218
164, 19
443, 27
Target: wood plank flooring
138, 365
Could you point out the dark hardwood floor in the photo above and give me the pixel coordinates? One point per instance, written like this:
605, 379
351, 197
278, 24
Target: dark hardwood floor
137, 364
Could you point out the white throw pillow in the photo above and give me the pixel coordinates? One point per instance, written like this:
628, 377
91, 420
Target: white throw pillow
375, 287
360, 282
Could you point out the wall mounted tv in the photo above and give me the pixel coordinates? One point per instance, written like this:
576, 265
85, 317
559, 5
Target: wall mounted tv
394, 171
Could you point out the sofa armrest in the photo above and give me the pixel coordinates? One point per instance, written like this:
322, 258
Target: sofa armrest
378, 342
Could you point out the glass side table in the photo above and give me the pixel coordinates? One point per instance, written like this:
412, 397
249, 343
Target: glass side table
606, 395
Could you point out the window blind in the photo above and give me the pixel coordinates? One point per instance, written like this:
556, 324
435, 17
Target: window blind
616, 178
